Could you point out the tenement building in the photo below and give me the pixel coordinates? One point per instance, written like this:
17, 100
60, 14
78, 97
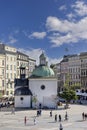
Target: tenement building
74, 70
10, 62
83, 57
9, 71
70, 70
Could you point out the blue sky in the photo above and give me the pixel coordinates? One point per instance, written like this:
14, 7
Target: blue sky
33, 26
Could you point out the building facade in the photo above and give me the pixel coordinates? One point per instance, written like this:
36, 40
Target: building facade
75, 70
22, 60
32, 64
83, 58
2, 73
10, 62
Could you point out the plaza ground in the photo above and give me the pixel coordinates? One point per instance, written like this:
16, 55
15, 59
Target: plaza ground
9, 121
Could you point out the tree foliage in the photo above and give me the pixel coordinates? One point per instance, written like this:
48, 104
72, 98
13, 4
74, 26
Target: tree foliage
69, 90
34, 99
69, 95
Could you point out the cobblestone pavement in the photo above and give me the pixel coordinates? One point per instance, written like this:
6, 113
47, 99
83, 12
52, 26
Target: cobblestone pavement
15, 121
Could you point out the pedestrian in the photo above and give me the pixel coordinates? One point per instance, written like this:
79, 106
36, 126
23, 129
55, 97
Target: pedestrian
51, 113
40, 111
25, 120
60, 127
59, 117
66, 116
34, 120
55, 117
83, 116
37, 113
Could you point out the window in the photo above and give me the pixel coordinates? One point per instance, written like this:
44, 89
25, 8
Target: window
11, 75
7, 67
14, 75
7, 75
2, 71
42, 87
2, 83
11, 58
10, 67
11, 85
2, 62
17, 63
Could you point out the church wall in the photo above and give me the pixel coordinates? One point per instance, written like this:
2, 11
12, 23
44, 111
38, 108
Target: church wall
22, 101
49, 92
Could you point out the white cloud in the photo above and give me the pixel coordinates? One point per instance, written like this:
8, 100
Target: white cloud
12, 40
66, 31
53, 60
55, 24
38, 35
70, 16
80, 7
35, 53
63, 7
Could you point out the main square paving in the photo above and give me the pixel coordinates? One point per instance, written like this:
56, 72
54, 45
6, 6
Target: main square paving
15, 121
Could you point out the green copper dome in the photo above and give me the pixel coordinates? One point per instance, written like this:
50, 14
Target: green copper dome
43, 71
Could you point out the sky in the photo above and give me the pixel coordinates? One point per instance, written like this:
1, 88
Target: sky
55, 27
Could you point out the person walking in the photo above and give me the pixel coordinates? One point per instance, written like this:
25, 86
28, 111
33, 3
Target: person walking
83, 115
51, 113
55, 117
60, 127
25, 120
66, 116
59, 117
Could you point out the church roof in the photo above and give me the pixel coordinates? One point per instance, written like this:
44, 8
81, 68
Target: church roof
43, 71
23, 91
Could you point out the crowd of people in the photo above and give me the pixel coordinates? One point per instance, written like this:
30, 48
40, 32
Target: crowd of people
56, 118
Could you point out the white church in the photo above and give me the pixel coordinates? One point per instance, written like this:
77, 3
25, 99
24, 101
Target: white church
39, 90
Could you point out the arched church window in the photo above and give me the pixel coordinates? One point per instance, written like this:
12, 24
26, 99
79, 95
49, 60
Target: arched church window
42, 87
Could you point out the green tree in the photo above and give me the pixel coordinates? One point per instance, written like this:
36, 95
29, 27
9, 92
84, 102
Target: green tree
0, 95
69, 90
75, 86
66, 84
34, 100
68, 95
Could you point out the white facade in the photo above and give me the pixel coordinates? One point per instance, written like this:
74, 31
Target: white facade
45, 96
23, 101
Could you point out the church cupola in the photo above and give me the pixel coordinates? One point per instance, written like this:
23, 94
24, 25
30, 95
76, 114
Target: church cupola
42, 59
